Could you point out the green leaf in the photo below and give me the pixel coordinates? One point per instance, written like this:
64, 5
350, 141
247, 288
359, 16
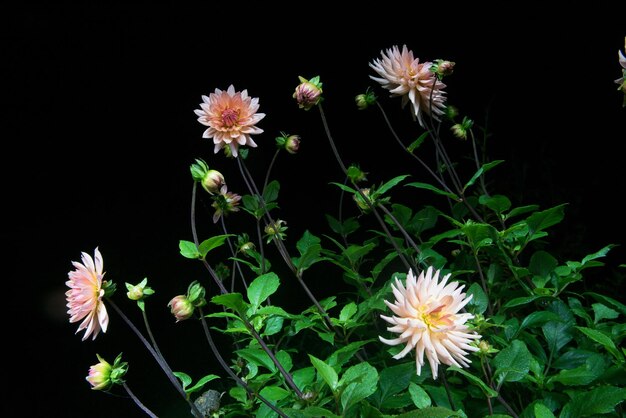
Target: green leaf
346, 353
200, 384
482, 170
326, 372
432, 412
212, 243
384, 188
415, 144
512, 363
601, 400
542, 263
270, 194
521, 301
489, 392
274, 393
521, 210
358, 382
258, 357
309, 248
188, 249
433, 189
347, 312
184, 378
497, 203
608, 301
557, 334
594, 367
419, 396
603, 312
393, 380
232, 301
600, 253
479, 300
344, 187
303, 377
262, 287
603, 340
542, 411
539, 221
309, 412
538, 318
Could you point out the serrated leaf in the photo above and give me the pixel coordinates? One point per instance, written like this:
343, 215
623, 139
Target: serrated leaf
479, 299
513, 362
432, 188
270, 193
583, 375
602, 339
212, 243
393, 380
603, 312
542, 411
482, 170
384, 188
358, 382
326, 372
601, 400
539, 221
262, 287
346, 353
200, 384
489, 392
232, 301
497, 203
347, 312
608, 301
188, 249
419, 396
258, 357
432, 412
416, 144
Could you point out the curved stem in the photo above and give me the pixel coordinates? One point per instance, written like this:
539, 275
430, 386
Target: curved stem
159, 359
269, 169
230, 372
366, 199
422, 163
138, 402
232, 253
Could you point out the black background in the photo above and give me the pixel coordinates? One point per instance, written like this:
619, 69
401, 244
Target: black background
99, 133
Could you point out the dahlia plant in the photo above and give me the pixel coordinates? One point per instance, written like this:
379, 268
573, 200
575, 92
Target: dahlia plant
447, 303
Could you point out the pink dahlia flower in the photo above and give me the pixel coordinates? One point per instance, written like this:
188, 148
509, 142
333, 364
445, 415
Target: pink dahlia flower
84, 298
231, 117
404, 76
427, 319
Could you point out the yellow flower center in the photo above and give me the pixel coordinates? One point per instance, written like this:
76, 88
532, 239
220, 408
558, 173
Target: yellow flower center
436, 317
230, 117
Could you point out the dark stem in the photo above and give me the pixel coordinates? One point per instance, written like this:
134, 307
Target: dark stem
138, 402
159, 359
445, 384
229, 371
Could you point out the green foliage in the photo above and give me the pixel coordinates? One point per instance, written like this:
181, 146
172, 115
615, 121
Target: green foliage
551, 344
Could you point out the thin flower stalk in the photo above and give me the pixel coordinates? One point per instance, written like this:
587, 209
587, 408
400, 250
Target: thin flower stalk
138, 402
159, 359
407, 264
232, 374
224, 291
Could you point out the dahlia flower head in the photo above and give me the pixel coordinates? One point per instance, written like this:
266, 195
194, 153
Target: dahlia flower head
406, 77
426, 315
622, 80
84, 298
231, 117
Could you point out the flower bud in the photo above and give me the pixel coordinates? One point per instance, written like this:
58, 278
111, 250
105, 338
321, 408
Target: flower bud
138, 291
360, 201
356, 175
308, 93
181, 307
275, 230
103, 375
212, 181
460, 129
442, 68
365, 100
